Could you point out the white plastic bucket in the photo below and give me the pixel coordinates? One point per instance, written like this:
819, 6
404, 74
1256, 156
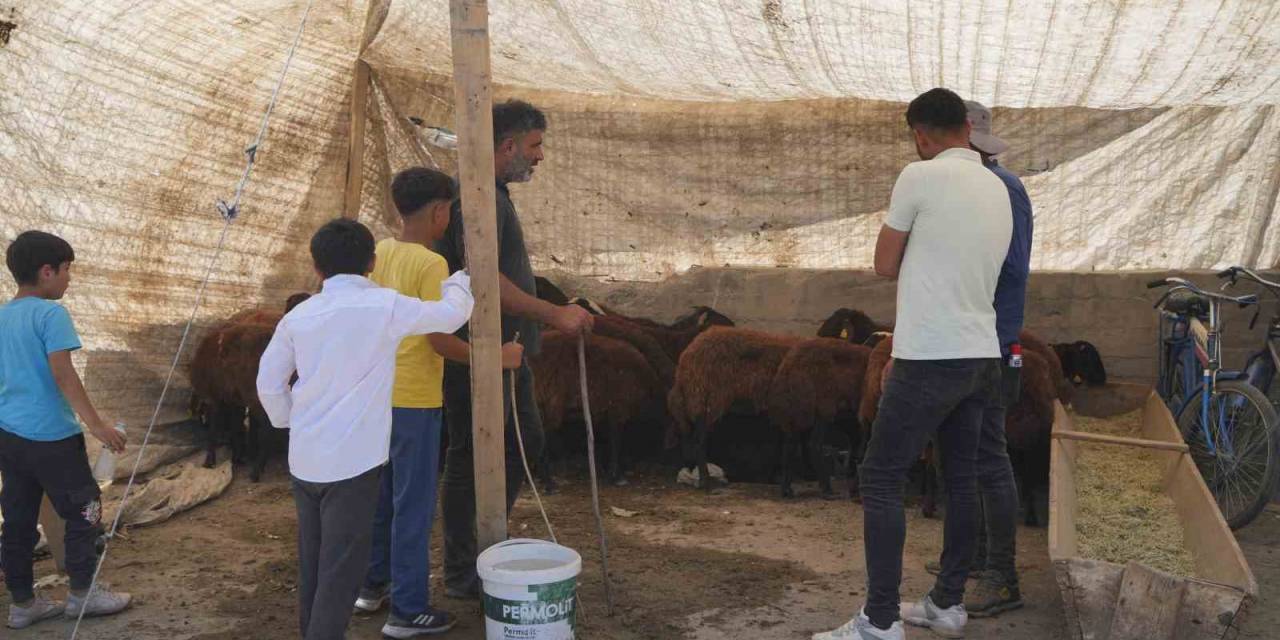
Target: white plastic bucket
530, 589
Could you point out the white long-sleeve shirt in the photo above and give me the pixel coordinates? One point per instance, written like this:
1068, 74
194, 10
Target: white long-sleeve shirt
342, 343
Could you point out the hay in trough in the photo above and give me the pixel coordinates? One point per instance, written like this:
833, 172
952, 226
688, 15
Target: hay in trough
1124, 513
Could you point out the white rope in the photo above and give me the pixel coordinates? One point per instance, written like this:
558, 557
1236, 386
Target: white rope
591, 465
515, 418
228, 212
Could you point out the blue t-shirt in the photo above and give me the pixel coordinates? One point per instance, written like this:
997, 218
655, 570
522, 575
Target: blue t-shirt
31, 405
1011, 288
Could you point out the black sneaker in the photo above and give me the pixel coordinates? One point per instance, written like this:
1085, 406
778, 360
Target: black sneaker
992, 596
371, 599
428, 623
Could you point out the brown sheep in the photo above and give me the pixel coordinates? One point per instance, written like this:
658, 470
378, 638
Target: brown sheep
819, 380
1028, 424
637, 336
223, 373
722, 368
1063, 389
622, 385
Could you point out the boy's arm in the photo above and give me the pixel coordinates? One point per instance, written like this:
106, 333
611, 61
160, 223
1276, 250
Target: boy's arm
274, 371
68, 381
456, 349
411, 316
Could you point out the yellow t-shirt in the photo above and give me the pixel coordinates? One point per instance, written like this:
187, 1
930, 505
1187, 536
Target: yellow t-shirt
416, 271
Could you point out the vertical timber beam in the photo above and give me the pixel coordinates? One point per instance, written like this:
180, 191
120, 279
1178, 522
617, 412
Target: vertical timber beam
355, 150
473, 104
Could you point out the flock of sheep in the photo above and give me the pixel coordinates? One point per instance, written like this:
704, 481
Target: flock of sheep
677, 382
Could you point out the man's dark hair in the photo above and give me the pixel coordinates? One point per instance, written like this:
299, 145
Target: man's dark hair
937, 109
516, 117
413, 189
32, 250
342, 246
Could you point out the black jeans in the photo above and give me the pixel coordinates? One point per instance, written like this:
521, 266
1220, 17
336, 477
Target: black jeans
997, 490
30, 470
458, 488
335, 536
921, 397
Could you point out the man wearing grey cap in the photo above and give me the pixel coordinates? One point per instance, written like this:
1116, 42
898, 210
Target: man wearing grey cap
997, 589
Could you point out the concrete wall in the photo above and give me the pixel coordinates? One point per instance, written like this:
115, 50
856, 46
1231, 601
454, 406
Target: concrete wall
1111, 310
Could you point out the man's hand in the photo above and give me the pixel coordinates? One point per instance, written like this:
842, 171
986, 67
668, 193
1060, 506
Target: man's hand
572, 319
108, 436
512, 355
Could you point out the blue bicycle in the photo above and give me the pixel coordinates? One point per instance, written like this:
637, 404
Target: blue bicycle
1227, 422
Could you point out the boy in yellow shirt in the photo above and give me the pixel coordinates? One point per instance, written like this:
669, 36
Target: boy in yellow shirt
400, 564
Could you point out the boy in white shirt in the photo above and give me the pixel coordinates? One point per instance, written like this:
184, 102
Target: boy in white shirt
342, 343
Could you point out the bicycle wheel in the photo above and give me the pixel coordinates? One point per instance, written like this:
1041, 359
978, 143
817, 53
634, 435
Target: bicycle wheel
1240, 467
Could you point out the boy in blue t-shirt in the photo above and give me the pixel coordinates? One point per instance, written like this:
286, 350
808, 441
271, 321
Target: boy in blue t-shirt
41, 445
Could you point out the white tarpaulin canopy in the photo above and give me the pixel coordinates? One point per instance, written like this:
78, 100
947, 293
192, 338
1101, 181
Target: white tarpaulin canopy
699, 132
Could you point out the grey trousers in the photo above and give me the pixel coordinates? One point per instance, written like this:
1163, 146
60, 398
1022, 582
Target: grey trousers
335, 535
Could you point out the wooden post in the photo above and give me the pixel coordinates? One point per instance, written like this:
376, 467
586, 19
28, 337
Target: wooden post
473, 104
355, 150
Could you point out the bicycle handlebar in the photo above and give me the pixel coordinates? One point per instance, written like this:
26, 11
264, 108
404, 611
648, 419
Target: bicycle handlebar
1249, 274
1243, 301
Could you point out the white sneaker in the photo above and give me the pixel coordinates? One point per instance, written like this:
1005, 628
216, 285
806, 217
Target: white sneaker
860, 628
41, 608
99, 602
948, 623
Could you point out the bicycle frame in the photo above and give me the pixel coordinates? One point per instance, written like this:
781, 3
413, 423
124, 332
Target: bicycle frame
1198, 348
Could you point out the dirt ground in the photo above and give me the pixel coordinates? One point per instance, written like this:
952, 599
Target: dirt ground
740, 563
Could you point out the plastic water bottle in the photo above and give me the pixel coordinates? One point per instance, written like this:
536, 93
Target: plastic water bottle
104, 468
1015, 356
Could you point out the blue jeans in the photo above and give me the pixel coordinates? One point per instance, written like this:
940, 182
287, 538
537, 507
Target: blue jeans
406, 507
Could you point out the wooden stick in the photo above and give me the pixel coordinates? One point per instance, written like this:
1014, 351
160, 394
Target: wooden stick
1132, 442
355, 141
473, 100
591, 464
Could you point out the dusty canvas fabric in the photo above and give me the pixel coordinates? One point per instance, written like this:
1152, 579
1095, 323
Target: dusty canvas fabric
730, 132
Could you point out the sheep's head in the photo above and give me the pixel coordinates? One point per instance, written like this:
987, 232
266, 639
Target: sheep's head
708, 317
848, 324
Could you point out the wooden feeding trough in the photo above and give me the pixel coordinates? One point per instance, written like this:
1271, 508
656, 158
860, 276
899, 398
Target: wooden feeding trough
1107, 601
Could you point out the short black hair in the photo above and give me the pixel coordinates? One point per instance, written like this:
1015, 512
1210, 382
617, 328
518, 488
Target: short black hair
413, 189
516, 117
939, 109
342, 246
32, 250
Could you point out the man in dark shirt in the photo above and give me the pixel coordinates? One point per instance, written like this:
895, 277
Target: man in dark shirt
518, 129
997, 589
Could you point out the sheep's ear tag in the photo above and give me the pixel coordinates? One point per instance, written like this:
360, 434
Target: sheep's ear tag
844, 333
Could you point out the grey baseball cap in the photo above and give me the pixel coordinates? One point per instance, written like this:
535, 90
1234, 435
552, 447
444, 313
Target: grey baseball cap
981, 137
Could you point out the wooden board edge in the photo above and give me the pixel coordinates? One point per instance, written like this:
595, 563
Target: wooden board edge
1208, 536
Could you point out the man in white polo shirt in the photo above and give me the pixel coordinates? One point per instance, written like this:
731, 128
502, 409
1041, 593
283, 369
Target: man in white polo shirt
944, 241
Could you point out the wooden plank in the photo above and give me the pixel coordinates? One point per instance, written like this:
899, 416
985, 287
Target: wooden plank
1217, 554
1131, 442
473, 99
1147, 605
356, 140
1095, 586
1062, 490
54, 531
1209, 611
361, 81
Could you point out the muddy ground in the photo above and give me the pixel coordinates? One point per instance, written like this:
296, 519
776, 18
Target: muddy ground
740, 563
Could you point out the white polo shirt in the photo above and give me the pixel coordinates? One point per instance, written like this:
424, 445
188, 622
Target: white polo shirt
960, 221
